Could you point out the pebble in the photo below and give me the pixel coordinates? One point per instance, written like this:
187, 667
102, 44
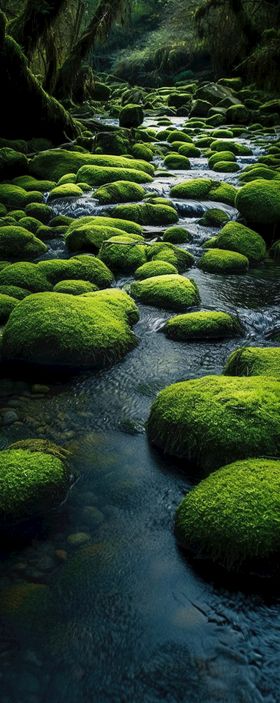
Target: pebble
78, 538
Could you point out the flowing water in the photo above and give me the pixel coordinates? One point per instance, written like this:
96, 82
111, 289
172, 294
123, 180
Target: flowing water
102, 605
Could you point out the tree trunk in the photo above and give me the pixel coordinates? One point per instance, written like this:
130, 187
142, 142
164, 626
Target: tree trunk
33, 23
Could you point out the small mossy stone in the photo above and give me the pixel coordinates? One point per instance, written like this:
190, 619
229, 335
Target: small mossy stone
223, 261
7, 305
226, 167
25, 275
29, 183
40, 211
214, 218
30, 223
124, 253
221, 156
102, 175
90, 237
83, 267
196, 188
67, 190
131, 116
13, 197
14, 292
223, 193
178, 162
202, 325
74, 287
172, 292
216, 419
253, 361
154, 268
147, 214
176, 235
190, 150
125, 225
236, 237
232, 517
12, 163
166, 251
120, 192
259, 202
17, 242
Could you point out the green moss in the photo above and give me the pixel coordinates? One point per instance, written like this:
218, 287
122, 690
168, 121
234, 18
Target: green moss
67, 190
223, 193
25, 275
74, 287
147, 214
190, 150
124, 253
30, 183
171, 291
259, 202
253, 361
275, 250
101, 175
81, 267
202, 325
216, 419
235, 147
34, 196
238, 114
177, 162
90, 237
223, 261
14, 291
226, 167
3, 210
67, 330
196, 188
131, 116
210, 243
13, 197
67, 178
177, 136
17, 242
60, 220
220, 156
30, 223
176, 235
7, 305
142, 151
31, 483
12, 163
120, 192
124, 225
166, 251
57, 162
257, 173
231, 517
214, 218
40, 211
237, 237
16, 214
118, 300
154, 268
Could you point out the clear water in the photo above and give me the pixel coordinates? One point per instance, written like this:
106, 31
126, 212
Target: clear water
121, 616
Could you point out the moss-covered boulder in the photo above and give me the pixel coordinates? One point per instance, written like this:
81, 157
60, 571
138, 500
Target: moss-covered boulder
170, 291
154, 268
30, 183
25, 275
195, 188
202, 325
102, 175
226, 167
120, 192
221, 156
223, 193
81, 267
19, 243
32, 482
216, 419
253, 361
74, 287
124, 253
147, 213
234, 147
131, 116
223, 261
118, 300
40, 211
232, 517
67, 190
166, 251
7, 305
12, 163
69, 331
178, 162
90, 237
97, 221
13, 197
176, 235
55, 163
214, 218
14, 291
30, 223
259, 202
189, 150
236, 237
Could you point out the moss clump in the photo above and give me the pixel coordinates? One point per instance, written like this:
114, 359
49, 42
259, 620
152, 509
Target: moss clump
83, 267
176, 235
25, 275
13, 197
178, 162
253, 361
147, 214
55, 163
223, 261
154, 268
190, 150
123, 225
118, 300
226, 167
239, 238
234, 147
101, 175
275, 250
14, 292
31, 483
7, 305
171, 291
232, 517
15, 214
67, 330
124, 253
142, 151
12, 163
214, 218
196, 188
40, 211
223, 193
216, 419
74, 287
221, 156
259, 202
120, 192
177, 136
131, 116
68, 190
30, 223
30, 183
18, 243
202, 325
257, 173
90, 237
166, 251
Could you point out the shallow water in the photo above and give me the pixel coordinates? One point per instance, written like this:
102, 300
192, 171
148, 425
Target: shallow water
117, 613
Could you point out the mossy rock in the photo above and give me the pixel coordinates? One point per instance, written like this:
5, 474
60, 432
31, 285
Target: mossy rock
55, 163
124, 225
81, 267
232, 517
124, 253
226, 167
166, 251
142, 151
40, 211
29, 183
214, 218
19, 243
253, 361
221, 156
257, 173
101, 175
12, 163
131, 116
223, 261
31, 483
7, 305
196, 188
177, 162
238, 114
90, 237
236, 237
14, 292
202, 325
59, 220
68, 331
154, 268
13, 197
3, 210
25, 275
176, 235
172, 292
74, 287
235, 147
176, 136
216, 419
66, 190
223, 193
259, 202
30, 223
147, 214
275, 250
190, 150
117, 300
101, 92
120, 192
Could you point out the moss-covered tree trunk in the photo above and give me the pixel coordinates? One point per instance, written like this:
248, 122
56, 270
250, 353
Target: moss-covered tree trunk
33, 22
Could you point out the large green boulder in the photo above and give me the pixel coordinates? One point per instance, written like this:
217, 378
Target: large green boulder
216, 419
202, 325
7, 305
171, 291
236, 237
120, 192
19, 243
232, 517
253, 361
25, 275
131, 116
12, 163
166, 251
124, 253
90, 237
54, 163
147, 213
195, 188
81, 331
223, 261
81, 267
102, 175
259, 202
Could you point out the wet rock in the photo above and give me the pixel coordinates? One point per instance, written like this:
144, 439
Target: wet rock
78, 538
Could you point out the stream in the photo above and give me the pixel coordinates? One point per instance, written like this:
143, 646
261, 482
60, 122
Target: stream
117, 614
